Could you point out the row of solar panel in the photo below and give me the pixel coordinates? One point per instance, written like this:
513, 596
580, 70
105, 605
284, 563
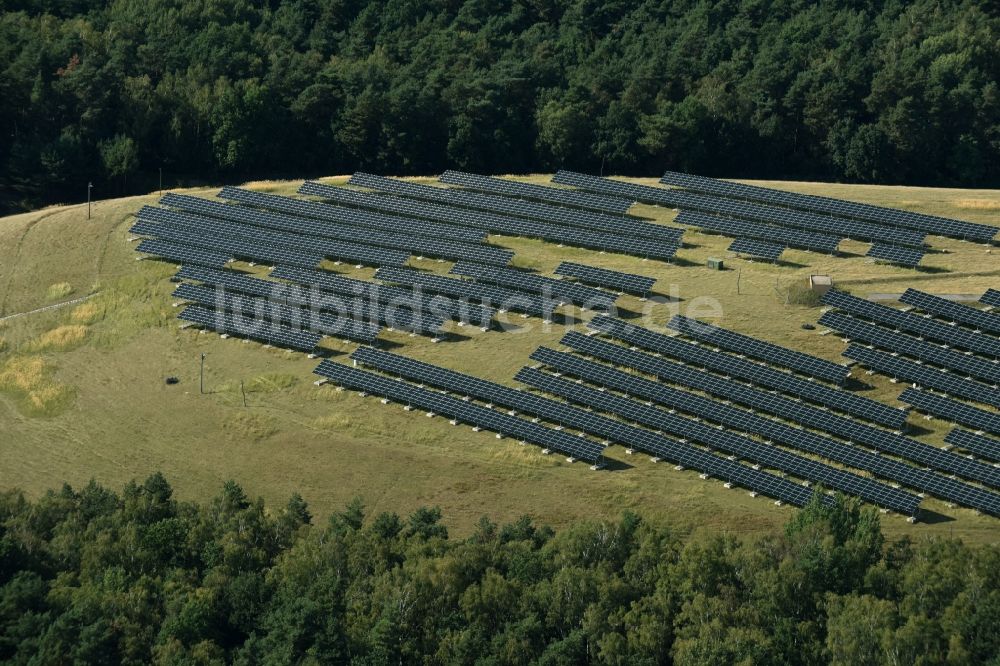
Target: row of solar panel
269, 332
505, 225
953, 410
878, 214
728, 226
569, 292
518, 190
347, 215
608, 428
863, 331
910, 322
524, 209
961, 314
690, 201
978, 444
629, 283
311, 229
362, 305
757, 249
904, 256
809, 416
799, 438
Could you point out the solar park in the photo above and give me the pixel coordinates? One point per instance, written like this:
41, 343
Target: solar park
755, 415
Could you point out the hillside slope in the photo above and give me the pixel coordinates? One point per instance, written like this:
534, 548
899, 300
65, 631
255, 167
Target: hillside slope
82, 391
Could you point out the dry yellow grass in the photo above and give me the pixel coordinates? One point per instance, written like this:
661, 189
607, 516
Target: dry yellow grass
29, 379
86, 313
59, 339
59, 290
978, 204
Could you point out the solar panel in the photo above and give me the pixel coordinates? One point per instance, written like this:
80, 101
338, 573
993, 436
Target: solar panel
741, 420
460, 410
619, 224
638, 285
922, 375
796, 412
311, 228
980, 445
664, 248
182, 254
863, 331
805, 364
991, 297
903, 256
953, 410
886, 216
255, 311
359, 307
942, 307
819, 419
502, 299
264, 331
569, 292
438, 306
913, 323
240, 248
690, 201
520, 190
806, 240
335, 249
344, 215
757, 248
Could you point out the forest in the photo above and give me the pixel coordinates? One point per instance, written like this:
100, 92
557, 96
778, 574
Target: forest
137, 577
119, 92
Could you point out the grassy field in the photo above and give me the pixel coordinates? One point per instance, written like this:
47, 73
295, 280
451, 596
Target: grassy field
82, 391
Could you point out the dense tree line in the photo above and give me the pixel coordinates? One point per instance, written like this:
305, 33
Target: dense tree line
93, 576
860, 90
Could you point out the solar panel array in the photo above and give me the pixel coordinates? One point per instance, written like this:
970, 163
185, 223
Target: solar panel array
942, 307
864, 331
660, 248
264, 331
806, 240
237, 247
907, 321
196, 227
807, 440
344, 215
519, 208
520, 190
267, 311
690, 201
886, 216
434, 305
755, 373
312, 228
980, 445
848, 428
182, 254
757, 248
800, 362
629, 283
904, 256
587, 297
744, 447
922, 375
359, 307
953, 410
463, 411
991, 297
503, 299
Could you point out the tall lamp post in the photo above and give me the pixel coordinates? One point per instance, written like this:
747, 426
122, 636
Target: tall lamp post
201, 384
90, 186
